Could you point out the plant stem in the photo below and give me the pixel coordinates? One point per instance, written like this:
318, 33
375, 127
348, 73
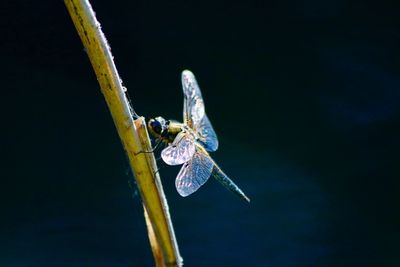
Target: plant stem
133, 134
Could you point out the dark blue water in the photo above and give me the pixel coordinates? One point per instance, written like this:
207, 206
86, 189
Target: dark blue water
303, 96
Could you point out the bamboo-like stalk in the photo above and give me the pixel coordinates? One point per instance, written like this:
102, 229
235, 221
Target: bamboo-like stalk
133, 134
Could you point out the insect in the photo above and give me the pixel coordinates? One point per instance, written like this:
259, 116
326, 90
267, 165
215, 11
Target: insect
189, 143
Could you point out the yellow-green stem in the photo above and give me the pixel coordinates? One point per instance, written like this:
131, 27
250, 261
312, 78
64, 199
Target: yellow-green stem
133, 134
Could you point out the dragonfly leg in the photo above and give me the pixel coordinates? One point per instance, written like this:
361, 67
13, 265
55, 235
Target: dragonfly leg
151, 151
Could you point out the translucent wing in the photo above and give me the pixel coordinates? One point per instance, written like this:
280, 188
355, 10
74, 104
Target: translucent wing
180, 151
207, 136
194, 113
194, 173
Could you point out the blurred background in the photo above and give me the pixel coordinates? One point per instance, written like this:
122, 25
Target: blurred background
304, 96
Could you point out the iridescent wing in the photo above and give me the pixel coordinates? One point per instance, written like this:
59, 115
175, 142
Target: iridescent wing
180, 151
194, 173
194, 113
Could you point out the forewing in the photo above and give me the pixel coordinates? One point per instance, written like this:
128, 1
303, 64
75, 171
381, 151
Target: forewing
194, 173
180, 151
193, 105
194, 112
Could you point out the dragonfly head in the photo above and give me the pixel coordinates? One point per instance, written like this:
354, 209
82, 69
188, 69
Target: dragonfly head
158, 126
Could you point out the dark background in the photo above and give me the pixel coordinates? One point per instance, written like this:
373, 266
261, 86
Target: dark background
304, 96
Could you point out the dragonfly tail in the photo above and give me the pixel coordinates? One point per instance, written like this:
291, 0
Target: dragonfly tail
221, 177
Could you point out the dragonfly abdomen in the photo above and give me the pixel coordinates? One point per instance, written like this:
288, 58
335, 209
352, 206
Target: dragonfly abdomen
221, 177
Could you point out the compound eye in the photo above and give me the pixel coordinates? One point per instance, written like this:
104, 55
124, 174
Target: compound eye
156, 126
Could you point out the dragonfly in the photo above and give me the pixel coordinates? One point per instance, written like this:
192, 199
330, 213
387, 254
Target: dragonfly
190, 142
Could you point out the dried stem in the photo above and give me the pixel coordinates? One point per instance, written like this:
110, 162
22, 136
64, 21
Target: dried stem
132, 133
